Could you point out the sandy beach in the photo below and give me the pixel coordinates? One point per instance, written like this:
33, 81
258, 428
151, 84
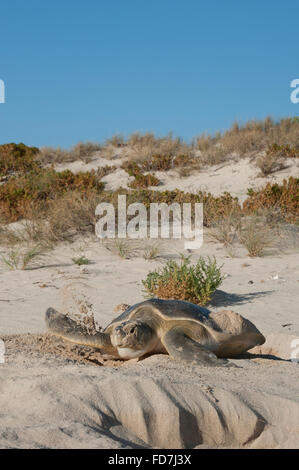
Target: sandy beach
49, 399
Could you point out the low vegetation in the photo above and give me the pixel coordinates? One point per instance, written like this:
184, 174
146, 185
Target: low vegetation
105, 170
81, 260
81, 151
144, 181
21, 257
17, 158
247, 140
215, 207
283, 197
141, 180
194, 283
122, 248
151, 251
36, 189
275, 158
255, 236
226, 229
54, 206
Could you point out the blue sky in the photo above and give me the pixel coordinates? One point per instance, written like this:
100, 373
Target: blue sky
85, 70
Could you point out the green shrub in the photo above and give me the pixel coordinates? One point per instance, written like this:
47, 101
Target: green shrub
184, 160
158, 163
131, 167
284, 151
194, 283
144, 181
80, 261
105, 170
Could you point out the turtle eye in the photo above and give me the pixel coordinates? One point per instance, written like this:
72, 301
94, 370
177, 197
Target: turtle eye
132, 329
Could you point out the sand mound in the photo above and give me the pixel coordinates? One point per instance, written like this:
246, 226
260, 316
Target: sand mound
280, 345
47, 344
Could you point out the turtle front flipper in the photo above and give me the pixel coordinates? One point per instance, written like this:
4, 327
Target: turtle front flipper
183, 348
66, 328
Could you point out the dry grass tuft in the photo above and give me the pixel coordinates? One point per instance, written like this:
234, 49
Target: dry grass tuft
22, 256
225, 230
247, 140
122, 248
255, 236
82, 151
151, 251
274, 159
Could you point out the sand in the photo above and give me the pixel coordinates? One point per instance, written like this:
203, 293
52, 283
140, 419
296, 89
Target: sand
54, 395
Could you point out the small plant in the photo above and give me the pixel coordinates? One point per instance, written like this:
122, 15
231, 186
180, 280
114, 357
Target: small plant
21, 257
105, 170
141, 180
144, 181
225, 230
151, 251
131, 167
122, 248
271, 161
84, 151
184, 171
12, 259
30, 253
194, 283
158, 163
117, 140
255, 236
80, 261
81, 151
183, 160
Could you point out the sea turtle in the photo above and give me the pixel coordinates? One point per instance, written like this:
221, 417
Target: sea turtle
185, 331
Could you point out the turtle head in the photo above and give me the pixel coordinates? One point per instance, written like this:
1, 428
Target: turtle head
133, 335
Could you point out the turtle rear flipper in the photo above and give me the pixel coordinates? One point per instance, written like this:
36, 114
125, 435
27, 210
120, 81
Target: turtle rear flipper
66, 328
183, 348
